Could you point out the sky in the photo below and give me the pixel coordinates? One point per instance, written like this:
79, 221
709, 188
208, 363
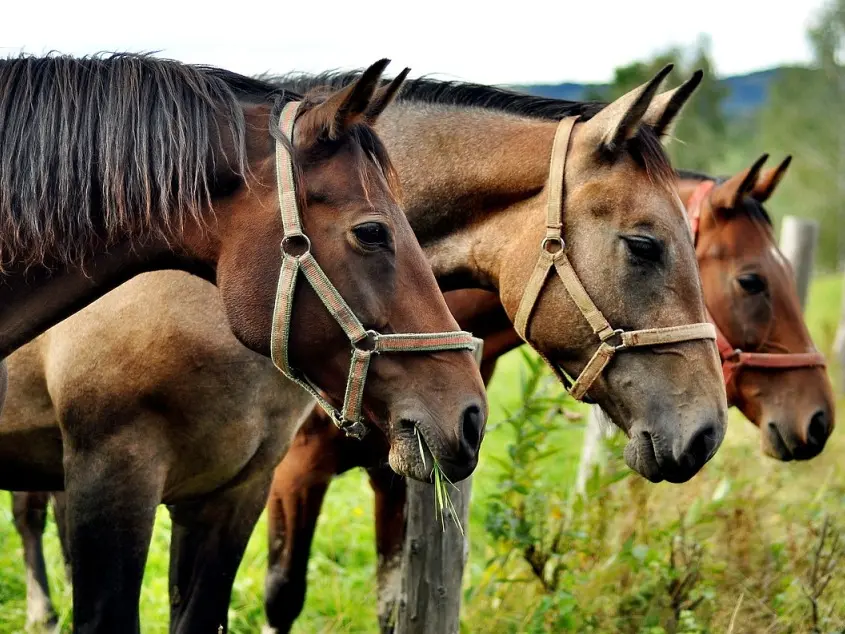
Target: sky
495, 42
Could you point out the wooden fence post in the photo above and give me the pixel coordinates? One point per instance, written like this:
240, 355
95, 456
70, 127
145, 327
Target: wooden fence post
839, 341
433, 562
592, 449
434, 558
798, 238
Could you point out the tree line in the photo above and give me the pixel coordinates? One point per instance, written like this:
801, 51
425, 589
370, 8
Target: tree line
804, 115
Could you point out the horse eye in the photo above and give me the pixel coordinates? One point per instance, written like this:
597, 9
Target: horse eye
371, 234
644, 248
752, 283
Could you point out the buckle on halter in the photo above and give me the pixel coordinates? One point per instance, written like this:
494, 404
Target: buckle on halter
296, 245
616, 334
354, 429
367, 343
351, 428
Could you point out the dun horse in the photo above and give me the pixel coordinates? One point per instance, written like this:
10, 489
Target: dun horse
114, 166
751, 296
482, 222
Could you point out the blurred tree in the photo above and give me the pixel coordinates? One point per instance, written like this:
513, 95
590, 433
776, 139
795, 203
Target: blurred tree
804, 116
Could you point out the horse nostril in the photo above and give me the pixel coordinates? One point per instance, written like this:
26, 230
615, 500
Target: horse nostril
703, 445
471, 427
817, 430
778, 444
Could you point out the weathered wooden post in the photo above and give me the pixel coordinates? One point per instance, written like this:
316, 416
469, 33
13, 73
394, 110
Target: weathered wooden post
839, 341
798, 238
433, 562
434, 558
592, 449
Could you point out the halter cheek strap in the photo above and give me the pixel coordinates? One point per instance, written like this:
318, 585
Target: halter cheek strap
553, 256
735, 359
296, 259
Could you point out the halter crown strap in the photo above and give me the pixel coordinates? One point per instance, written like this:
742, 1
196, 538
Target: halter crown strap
296, 258
701, 192
553, 256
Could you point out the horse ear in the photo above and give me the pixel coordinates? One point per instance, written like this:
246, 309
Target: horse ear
332, 118
729, 194
620, 120
664, 108
384, 97
769, 180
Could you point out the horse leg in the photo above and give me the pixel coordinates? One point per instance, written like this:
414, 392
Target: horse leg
207, 542
293, 509
60, 514
390, 494
30, 513
112, 492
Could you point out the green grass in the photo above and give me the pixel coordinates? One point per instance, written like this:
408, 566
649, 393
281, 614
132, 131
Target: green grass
341, 594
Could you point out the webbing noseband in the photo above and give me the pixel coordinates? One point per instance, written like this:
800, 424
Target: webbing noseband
735, 359
553, 255
296, 258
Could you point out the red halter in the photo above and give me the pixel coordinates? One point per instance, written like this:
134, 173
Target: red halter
734, 359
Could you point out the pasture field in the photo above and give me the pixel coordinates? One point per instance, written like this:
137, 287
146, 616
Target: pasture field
731, 551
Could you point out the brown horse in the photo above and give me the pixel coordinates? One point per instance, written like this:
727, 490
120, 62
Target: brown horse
620, 203
203, 137
97, 187
750, 292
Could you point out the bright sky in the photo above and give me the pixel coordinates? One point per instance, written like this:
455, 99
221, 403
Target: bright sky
493, 41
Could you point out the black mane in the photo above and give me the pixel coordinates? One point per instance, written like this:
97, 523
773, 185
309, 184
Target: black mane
645, 147
96, 147
453, 93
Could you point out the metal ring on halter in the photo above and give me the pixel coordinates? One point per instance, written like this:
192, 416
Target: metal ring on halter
552, 239
292, 240
618, 334
368, 343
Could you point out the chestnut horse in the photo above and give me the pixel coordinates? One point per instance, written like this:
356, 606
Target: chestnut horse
470, 176
117, 165
114, 166
751, 295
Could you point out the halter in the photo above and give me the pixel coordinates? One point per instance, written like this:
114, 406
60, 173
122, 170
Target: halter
296, 257
553, 254
734, 359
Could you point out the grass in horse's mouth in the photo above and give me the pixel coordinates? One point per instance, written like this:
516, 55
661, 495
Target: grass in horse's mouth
442, 499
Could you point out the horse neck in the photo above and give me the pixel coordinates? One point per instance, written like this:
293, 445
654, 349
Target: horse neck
35, 299
462, 170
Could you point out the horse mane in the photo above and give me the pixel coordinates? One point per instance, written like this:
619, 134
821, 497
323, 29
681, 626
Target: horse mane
645, 148
454, 93
754, 208
97, 147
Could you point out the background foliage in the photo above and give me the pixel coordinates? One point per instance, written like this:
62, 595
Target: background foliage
732, 121
749, 545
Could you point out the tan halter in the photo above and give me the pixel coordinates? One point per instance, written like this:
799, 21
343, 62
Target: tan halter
365, 343
553, 255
